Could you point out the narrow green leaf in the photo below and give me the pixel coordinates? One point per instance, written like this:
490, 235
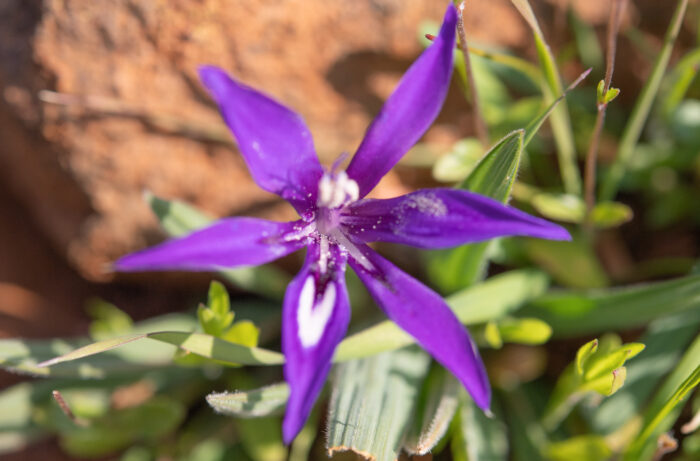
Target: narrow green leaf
435, 410
91, 349
495, 173
584, 353
640, 112
575, 314
581, 448
218, 349
372, 403
178, 218
266, 401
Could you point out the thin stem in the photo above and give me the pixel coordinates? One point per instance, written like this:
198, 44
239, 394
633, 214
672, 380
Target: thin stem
616, 10
67, 411
634, 126
479, 123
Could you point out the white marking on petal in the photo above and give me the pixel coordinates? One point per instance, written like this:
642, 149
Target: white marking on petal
312, 316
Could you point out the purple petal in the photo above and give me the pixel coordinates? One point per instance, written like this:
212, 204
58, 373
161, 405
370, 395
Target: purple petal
437, 218
227, 243
273, 139
424, 315
315, 318
409, 111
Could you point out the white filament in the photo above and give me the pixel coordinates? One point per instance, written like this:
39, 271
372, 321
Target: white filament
313, 317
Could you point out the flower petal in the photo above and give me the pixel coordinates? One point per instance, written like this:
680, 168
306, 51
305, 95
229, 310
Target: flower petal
409, 111
274, 140
315, 318
227, 243
424, 315
438, 218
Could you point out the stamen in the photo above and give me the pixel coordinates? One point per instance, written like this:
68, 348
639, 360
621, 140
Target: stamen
337, 190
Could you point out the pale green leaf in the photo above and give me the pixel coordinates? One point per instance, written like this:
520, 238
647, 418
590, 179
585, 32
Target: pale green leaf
372, 403
266, 401
524, 331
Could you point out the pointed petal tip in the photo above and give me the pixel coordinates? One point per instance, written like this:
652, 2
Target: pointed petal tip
450, 19
291, 426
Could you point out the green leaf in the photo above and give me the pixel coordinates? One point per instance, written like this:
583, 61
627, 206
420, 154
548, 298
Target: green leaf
477, 436
598, 368
256, 403
665, 340
109, 320
494, 175
560, 207
372, 403
216, 316
178, 218
436, 408
524, 331
581, 448
610, 214
489, 300
575, 313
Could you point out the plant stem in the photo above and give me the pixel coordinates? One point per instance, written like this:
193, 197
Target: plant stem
641, 109
616, 10
479, 123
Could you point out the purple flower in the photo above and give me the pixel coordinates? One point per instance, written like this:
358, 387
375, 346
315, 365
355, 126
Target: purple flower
337, 223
